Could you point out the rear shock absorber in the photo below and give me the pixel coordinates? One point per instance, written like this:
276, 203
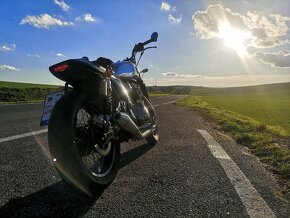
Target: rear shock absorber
109, 98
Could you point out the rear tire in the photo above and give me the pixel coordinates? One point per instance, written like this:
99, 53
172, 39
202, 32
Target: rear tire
72, 145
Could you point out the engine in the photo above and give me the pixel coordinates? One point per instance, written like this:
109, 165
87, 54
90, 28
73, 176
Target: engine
140, 110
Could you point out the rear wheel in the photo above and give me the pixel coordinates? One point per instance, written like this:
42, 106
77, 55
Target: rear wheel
98, 155
81, 150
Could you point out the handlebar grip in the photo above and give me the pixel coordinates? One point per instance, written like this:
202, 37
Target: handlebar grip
147, 42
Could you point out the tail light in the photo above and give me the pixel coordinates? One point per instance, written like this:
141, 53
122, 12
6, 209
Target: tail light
60, 68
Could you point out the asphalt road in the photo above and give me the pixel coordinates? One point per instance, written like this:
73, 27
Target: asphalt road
194, 171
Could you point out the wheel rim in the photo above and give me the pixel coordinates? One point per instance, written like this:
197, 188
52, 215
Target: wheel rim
154, 124
97, 165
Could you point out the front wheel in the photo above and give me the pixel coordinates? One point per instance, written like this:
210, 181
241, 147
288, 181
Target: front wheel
72, 141
153, 137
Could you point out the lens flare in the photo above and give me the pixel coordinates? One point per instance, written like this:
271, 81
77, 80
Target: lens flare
234, 38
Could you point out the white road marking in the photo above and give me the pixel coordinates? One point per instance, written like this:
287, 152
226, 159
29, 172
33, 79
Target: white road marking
175, 100
20, 104
252, 200
170, 102
6, 139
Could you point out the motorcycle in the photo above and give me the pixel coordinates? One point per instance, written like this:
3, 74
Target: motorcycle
94, 115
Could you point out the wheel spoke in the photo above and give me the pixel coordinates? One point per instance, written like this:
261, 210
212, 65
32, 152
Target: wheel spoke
96, 164
80, 140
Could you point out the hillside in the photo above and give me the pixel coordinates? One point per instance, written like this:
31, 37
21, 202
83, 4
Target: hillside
268, 104
5, 84
24, 92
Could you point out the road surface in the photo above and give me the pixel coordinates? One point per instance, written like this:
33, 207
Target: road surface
194, 171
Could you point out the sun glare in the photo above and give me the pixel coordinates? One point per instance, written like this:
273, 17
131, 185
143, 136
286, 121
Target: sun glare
234, 38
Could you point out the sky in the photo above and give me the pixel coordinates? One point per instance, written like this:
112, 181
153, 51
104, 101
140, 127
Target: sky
209, 43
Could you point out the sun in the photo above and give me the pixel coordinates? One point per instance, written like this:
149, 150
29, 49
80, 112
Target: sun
234, 38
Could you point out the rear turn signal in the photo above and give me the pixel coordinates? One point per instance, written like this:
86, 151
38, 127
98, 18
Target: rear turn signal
60, 68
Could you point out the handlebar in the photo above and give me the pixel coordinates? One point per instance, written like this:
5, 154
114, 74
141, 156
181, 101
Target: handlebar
148, 41
140, 46
150, 47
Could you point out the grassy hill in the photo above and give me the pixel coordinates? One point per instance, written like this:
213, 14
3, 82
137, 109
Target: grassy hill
4, 84
24, 92
177, 90
269, 104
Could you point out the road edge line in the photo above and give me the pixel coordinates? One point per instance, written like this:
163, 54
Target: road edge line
255, 205
10, 138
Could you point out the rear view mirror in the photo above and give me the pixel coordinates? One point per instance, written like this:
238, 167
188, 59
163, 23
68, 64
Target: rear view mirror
144, 70
154, 37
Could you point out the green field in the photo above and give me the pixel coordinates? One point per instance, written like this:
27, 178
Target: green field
11, 92
269, 104
4, 84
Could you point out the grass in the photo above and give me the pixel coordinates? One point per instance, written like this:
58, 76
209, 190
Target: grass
11, 92
268, 104
273, 110
242, 114
4, 84
157, 94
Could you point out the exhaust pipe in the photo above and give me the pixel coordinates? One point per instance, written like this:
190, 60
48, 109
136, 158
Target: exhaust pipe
126, 123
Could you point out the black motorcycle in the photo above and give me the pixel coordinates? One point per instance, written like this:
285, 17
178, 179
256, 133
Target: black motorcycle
95, 114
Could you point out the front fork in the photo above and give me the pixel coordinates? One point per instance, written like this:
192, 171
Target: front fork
144, 90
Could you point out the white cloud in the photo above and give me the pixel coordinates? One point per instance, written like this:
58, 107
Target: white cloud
220, 81
266, 30
169, 74
206, 23
267, 42
6, 67
279, 59
173, 74
44, 21
165, 6
60, 55
173, 19
87, 18
33, 55
284, 52
62, 4
7, 47
191, 76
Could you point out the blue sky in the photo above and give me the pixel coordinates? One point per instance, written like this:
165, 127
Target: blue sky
202, 43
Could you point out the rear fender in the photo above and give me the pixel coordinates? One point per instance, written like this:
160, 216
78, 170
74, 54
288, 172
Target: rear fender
78, 72
83, 76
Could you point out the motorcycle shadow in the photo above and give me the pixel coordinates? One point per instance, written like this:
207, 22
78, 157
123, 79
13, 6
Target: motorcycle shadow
59, 199
133, 154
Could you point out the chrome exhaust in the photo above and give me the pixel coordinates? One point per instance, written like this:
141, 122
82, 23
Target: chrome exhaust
126, 123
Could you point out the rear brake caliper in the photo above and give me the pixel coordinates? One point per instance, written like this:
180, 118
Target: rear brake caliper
101, 134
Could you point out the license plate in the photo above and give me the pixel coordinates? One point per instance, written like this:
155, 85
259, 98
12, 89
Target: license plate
49, 103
